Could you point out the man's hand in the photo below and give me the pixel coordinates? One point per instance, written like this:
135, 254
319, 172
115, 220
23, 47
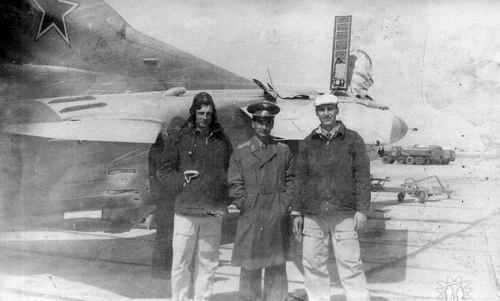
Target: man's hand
217, 213
359, 221
297, 227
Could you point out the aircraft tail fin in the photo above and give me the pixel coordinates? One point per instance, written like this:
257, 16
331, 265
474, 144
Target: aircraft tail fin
91, 37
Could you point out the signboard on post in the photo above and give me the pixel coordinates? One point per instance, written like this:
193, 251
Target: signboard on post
340, 55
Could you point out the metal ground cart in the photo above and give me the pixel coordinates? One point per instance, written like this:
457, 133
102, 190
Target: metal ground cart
420, 189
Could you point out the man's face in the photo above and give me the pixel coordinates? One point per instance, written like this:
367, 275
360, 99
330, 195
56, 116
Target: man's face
263, 126
327, 115
204, 116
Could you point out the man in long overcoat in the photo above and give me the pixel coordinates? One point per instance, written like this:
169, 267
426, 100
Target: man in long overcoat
261, 181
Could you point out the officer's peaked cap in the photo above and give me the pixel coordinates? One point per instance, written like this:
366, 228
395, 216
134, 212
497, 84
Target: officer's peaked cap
263, 109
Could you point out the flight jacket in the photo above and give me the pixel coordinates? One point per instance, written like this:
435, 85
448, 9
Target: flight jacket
191, 150
332, 176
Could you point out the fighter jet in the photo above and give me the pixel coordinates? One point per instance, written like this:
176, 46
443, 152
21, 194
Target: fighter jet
87, 101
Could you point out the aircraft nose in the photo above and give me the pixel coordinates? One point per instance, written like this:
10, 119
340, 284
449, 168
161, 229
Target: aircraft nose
399, 129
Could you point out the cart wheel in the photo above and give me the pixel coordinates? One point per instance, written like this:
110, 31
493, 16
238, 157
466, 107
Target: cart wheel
422, 197
409, 160
386, 159
401, 197
419, 161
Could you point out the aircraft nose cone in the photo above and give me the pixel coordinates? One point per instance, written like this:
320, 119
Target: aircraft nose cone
399, 129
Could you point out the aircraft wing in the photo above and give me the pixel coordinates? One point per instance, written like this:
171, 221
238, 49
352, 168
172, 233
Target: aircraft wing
132, 131
128, 118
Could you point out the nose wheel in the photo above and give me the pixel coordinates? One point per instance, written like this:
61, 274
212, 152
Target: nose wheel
422, 197
401, 197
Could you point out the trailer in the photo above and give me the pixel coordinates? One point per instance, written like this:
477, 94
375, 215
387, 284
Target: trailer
419, 189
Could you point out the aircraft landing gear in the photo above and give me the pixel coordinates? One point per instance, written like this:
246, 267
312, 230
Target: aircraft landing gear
401, 197
422, 197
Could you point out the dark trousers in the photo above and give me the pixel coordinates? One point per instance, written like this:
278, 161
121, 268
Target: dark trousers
162, 250
275, 284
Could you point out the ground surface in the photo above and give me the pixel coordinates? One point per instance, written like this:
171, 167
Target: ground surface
412, 251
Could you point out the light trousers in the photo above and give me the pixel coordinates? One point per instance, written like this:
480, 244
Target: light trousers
196, 242
317, 232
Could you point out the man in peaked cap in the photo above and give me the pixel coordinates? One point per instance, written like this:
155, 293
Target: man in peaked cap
261, 179
331, 200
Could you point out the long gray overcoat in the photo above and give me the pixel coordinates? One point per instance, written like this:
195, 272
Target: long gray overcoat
261, 183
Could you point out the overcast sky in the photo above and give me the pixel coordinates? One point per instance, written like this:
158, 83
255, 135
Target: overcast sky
435, 63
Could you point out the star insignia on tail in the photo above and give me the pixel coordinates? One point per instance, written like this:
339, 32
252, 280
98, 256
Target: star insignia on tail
54, 13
